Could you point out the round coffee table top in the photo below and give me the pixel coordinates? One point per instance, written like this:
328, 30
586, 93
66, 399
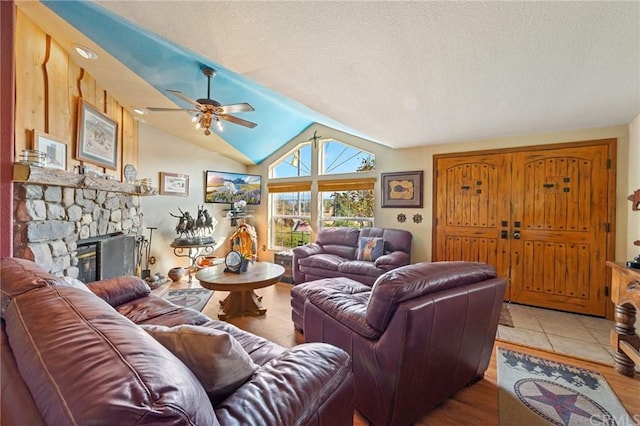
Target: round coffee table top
258, 275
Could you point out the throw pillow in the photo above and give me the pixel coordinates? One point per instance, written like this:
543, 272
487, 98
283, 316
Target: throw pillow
370, 248
75, 283
216, 358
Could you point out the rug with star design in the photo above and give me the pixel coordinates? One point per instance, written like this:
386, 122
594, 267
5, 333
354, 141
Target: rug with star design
536, 391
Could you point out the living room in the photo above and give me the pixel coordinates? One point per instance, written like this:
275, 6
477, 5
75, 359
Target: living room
47, 101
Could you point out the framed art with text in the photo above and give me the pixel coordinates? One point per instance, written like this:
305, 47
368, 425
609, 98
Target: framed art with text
402, 189
56, 150
174, 184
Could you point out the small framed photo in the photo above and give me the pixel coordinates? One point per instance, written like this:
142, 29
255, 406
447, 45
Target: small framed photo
56, 150
402, 189
97, 137
174, 184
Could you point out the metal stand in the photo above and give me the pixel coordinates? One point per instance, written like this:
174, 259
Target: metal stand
193, 252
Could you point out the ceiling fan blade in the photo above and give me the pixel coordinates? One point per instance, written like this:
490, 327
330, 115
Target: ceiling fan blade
185, 98
229, 109
171, 109
237, 120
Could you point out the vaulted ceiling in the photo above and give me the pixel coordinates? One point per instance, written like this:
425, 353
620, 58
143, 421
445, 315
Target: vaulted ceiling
401, 73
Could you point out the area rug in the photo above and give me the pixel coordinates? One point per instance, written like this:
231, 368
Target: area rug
536, 391
505, 316
195, 298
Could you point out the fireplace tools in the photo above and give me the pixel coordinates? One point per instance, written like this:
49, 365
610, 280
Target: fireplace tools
144, 249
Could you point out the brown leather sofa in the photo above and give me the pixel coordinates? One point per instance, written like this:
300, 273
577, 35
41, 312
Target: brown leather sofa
422, 332
334, 254
72, 356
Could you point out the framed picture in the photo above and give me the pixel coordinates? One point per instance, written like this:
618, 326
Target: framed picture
402, 189
174, 184
97, 137
56, 150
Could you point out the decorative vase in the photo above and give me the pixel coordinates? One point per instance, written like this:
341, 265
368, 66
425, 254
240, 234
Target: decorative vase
176, 273
244, 265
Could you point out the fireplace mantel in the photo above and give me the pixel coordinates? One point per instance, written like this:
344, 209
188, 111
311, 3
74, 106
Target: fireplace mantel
46, 176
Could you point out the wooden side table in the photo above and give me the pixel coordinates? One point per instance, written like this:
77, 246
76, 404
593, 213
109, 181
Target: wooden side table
284, 259
625, 293
242, 300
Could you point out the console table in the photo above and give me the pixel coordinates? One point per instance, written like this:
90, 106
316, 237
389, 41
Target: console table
625, 293
193, 252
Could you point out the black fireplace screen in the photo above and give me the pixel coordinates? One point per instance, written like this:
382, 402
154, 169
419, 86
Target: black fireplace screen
105, 257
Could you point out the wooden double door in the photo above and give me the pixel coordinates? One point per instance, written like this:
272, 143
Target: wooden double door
542, 216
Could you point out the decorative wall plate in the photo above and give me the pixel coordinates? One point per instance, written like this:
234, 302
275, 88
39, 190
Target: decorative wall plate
130, 173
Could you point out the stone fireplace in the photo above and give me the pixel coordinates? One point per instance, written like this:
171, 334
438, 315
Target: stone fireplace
54, 210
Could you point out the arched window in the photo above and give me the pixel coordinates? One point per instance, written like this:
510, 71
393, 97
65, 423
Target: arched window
337, 157
296, 163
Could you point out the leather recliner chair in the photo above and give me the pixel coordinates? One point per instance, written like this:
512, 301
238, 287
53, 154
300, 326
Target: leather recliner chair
422, 332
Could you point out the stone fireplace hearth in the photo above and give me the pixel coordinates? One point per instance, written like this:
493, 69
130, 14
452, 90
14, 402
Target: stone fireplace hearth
52, 213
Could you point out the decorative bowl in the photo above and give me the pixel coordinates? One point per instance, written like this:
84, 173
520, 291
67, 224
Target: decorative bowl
176, 273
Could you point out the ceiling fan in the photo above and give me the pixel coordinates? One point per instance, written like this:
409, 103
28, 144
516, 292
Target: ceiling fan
209, 110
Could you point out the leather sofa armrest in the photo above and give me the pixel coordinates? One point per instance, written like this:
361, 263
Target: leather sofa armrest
306, 376
301, 252
307, 250
350, 311
119, 290
393, 260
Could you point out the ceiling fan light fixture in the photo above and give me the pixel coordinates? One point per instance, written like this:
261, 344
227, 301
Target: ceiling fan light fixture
85, 52
204, 122
207, 109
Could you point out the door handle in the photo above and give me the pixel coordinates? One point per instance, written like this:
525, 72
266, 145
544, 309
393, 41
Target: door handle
516, 235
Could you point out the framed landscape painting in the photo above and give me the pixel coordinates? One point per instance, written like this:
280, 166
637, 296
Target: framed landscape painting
97, 137
402, 189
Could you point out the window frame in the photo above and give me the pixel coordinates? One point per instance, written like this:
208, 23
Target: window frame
333, 182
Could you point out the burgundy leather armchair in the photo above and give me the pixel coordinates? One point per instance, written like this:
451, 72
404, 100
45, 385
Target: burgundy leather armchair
420, 334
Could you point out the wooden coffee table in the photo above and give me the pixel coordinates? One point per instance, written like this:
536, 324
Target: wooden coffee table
242, 300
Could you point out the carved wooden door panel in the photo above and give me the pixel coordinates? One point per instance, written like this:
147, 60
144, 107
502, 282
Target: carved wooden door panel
539, 216
559, 200
472, 204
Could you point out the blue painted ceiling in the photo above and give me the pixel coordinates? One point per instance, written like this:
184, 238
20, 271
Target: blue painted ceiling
166, 65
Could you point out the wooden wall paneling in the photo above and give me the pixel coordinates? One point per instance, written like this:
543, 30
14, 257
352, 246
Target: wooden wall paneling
114, 111
58, 110
49, 85
88, 89
30, 91
100, 101
74, 83
129, 140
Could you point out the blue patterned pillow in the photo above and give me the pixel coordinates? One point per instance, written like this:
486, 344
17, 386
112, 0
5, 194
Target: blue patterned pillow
370, 248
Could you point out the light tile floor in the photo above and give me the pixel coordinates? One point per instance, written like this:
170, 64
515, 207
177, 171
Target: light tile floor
577, 335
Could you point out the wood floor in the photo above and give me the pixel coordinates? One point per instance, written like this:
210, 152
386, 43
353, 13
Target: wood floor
475, 405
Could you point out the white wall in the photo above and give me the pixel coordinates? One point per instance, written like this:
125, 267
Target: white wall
161, 152
421, 158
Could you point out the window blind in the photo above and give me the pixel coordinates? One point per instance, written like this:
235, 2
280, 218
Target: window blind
279, 187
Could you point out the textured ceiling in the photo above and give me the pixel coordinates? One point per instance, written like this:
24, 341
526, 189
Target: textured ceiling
400, 73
